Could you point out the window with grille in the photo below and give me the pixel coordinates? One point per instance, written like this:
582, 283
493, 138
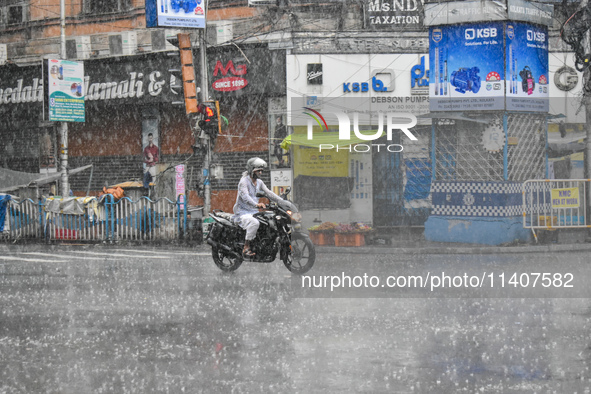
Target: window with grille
106, 6
12, 13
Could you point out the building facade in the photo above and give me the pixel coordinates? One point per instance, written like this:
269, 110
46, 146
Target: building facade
261, 59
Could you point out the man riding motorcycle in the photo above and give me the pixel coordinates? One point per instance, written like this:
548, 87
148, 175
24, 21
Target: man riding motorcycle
247, 203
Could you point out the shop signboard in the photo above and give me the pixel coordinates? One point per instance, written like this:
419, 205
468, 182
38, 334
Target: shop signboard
281, 180
394, 15
115, 81
234, 72
65, 90
466, 67
527, 67
528, 11
456, 12
175, 13
310, 161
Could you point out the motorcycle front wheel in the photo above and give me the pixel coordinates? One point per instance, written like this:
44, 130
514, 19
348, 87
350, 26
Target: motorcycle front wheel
302, 255
224, 260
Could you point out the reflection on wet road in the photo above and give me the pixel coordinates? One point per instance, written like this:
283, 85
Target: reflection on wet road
105, 320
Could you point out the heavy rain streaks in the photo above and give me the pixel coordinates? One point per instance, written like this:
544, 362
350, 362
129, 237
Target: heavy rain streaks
170, 321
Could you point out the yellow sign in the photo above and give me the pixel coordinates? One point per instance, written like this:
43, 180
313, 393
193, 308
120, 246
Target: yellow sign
312, 162
565, 198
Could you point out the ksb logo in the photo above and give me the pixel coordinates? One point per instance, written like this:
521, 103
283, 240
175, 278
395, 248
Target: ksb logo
394, 121
488, 32
376, 84
536, 36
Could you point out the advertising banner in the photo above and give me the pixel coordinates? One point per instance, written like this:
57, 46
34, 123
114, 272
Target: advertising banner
466, 67
66, 90
175, 13
527, 67
180, 183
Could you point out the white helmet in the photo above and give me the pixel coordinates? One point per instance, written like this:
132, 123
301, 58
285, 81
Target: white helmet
255, 164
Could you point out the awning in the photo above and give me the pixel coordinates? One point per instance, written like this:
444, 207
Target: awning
555, 116
326, 138
14, 180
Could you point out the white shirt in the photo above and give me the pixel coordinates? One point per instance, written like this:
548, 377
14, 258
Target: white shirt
246, 200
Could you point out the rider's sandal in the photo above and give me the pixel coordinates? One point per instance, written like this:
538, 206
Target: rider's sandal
247, 253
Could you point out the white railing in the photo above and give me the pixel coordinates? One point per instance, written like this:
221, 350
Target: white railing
145, 219
554, 203
24, 220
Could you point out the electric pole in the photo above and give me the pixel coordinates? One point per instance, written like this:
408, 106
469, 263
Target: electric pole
587, 102
63, 125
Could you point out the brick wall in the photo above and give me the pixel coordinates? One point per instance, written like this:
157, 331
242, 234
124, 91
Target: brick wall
110, 170
19, 150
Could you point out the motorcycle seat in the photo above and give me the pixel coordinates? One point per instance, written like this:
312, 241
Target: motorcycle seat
227, 218
225, 215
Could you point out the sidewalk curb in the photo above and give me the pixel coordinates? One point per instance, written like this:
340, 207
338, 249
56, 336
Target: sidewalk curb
455, 249
416, 248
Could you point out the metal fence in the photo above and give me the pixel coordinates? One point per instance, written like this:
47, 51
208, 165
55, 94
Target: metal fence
462, 154
554, 203
92, 219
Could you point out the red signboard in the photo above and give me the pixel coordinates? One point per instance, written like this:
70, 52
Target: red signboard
229, 84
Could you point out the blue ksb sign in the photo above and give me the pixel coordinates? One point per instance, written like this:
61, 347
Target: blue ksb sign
376, 84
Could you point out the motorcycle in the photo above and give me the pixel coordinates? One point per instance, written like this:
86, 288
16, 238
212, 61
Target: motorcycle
279, 232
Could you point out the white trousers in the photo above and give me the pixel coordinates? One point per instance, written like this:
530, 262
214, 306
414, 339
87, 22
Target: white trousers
250, 224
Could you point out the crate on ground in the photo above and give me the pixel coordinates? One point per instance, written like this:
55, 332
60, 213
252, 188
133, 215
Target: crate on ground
349, 239
322, 238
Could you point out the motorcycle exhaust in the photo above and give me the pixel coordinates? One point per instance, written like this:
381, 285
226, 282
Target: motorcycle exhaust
224, 247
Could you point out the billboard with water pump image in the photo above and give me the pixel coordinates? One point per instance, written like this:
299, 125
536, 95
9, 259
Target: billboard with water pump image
527, 67
467, 68
488, 66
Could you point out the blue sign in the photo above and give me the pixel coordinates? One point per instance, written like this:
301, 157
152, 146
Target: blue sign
175, 13
527, 67
467, 67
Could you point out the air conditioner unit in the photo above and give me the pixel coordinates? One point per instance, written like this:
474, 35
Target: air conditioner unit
158, 40
124, 43
220, 32
257, 3
78, 48
3, 54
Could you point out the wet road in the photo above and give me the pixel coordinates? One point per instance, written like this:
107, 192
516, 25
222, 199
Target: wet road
138, 320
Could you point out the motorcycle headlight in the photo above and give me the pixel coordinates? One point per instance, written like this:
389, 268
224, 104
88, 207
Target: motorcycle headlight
295, 216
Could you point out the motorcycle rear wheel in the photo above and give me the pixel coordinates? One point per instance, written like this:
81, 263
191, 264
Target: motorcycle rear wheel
225, 261
302, 256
